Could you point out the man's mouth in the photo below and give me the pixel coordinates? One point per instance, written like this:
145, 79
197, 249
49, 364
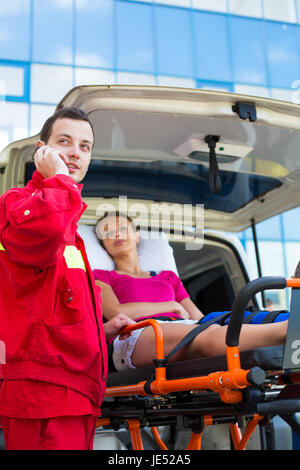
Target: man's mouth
73, 166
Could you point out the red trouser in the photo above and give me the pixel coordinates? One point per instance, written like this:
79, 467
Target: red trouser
61, 433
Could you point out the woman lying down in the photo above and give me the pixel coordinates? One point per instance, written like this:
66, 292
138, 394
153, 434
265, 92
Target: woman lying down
138, 294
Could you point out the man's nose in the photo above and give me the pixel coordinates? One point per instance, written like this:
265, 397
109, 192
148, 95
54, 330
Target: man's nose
74, 152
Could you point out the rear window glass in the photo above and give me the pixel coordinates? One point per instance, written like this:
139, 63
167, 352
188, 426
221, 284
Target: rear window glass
172, 182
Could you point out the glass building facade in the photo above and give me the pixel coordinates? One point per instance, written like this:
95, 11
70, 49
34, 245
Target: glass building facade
244, 46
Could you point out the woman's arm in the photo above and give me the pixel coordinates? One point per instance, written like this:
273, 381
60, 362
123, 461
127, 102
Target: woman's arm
112, 307
193, 311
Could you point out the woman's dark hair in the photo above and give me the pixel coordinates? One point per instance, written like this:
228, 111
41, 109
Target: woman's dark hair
63, 113
114, 214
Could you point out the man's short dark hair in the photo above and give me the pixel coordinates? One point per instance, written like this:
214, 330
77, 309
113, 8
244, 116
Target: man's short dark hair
63, 113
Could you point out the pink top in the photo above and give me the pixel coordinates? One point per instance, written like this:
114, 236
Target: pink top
162, 287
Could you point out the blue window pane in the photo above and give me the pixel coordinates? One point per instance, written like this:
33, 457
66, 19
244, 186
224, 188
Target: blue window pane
212, 47
219, 86
94, 37
282, 51
135, 49
52, 31
247, 35
291, 225
269, 229
174, 41
15, 30
14, 81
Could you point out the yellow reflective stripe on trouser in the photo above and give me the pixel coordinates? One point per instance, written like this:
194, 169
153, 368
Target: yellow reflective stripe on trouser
74, 257
2, 247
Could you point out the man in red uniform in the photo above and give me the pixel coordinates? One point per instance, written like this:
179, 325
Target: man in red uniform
50, 309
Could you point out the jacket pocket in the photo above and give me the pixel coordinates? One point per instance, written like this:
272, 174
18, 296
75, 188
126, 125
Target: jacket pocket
44, 203
74, 347
70, 305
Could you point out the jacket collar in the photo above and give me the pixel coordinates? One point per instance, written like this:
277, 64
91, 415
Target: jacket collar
38, 178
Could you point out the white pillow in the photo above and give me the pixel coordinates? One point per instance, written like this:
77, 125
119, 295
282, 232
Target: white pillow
154, 251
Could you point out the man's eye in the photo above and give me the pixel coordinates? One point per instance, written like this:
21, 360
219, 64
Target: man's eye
86, 147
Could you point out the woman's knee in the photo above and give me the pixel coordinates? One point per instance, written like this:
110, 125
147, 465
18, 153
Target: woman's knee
206, 343
210, 342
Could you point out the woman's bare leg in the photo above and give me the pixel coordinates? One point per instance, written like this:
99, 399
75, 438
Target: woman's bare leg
211, 342
251, 337
144, 350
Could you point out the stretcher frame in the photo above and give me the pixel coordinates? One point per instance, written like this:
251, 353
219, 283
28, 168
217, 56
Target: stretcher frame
238, 395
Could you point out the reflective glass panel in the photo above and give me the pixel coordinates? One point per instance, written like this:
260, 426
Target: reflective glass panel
291, 226
174, 41
180, 3
86, 76
269, 229
218, 86
292, 250
14, 118
164, 80
11, 80
135, 78
15, 30
38, 115
135, 50
52, 31
251, 90
280, 10
212, 47
246, 7
247, 35
50, 83
282, 53
94, 36
211, 5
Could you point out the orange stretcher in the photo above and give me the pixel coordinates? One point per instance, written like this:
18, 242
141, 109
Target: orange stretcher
248, 388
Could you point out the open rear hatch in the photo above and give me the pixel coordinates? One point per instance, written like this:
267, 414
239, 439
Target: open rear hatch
238, 156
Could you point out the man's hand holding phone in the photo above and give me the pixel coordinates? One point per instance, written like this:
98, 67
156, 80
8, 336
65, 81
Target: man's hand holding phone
50, 162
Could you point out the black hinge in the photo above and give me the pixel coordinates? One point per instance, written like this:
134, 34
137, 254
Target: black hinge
245, 110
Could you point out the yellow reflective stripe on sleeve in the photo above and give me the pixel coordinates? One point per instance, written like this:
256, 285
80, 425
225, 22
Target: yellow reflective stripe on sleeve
74, 258
2, 247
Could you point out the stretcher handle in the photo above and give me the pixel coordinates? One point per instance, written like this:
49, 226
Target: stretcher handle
242, 301
159, 345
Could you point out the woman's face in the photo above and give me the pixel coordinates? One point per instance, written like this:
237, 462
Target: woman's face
118, 235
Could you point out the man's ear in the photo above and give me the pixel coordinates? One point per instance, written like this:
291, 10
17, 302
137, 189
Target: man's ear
39, 144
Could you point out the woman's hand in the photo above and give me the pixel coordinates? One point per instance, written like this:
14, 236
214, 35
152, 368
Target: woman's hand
180, 310
115, 325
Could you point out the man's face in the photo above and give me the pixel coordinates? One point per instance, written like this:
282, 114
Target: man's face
73, 138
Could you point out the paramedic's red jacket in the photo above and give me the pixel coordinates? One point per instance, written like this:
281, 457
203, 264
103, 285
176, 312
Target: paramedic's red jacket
50, 332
